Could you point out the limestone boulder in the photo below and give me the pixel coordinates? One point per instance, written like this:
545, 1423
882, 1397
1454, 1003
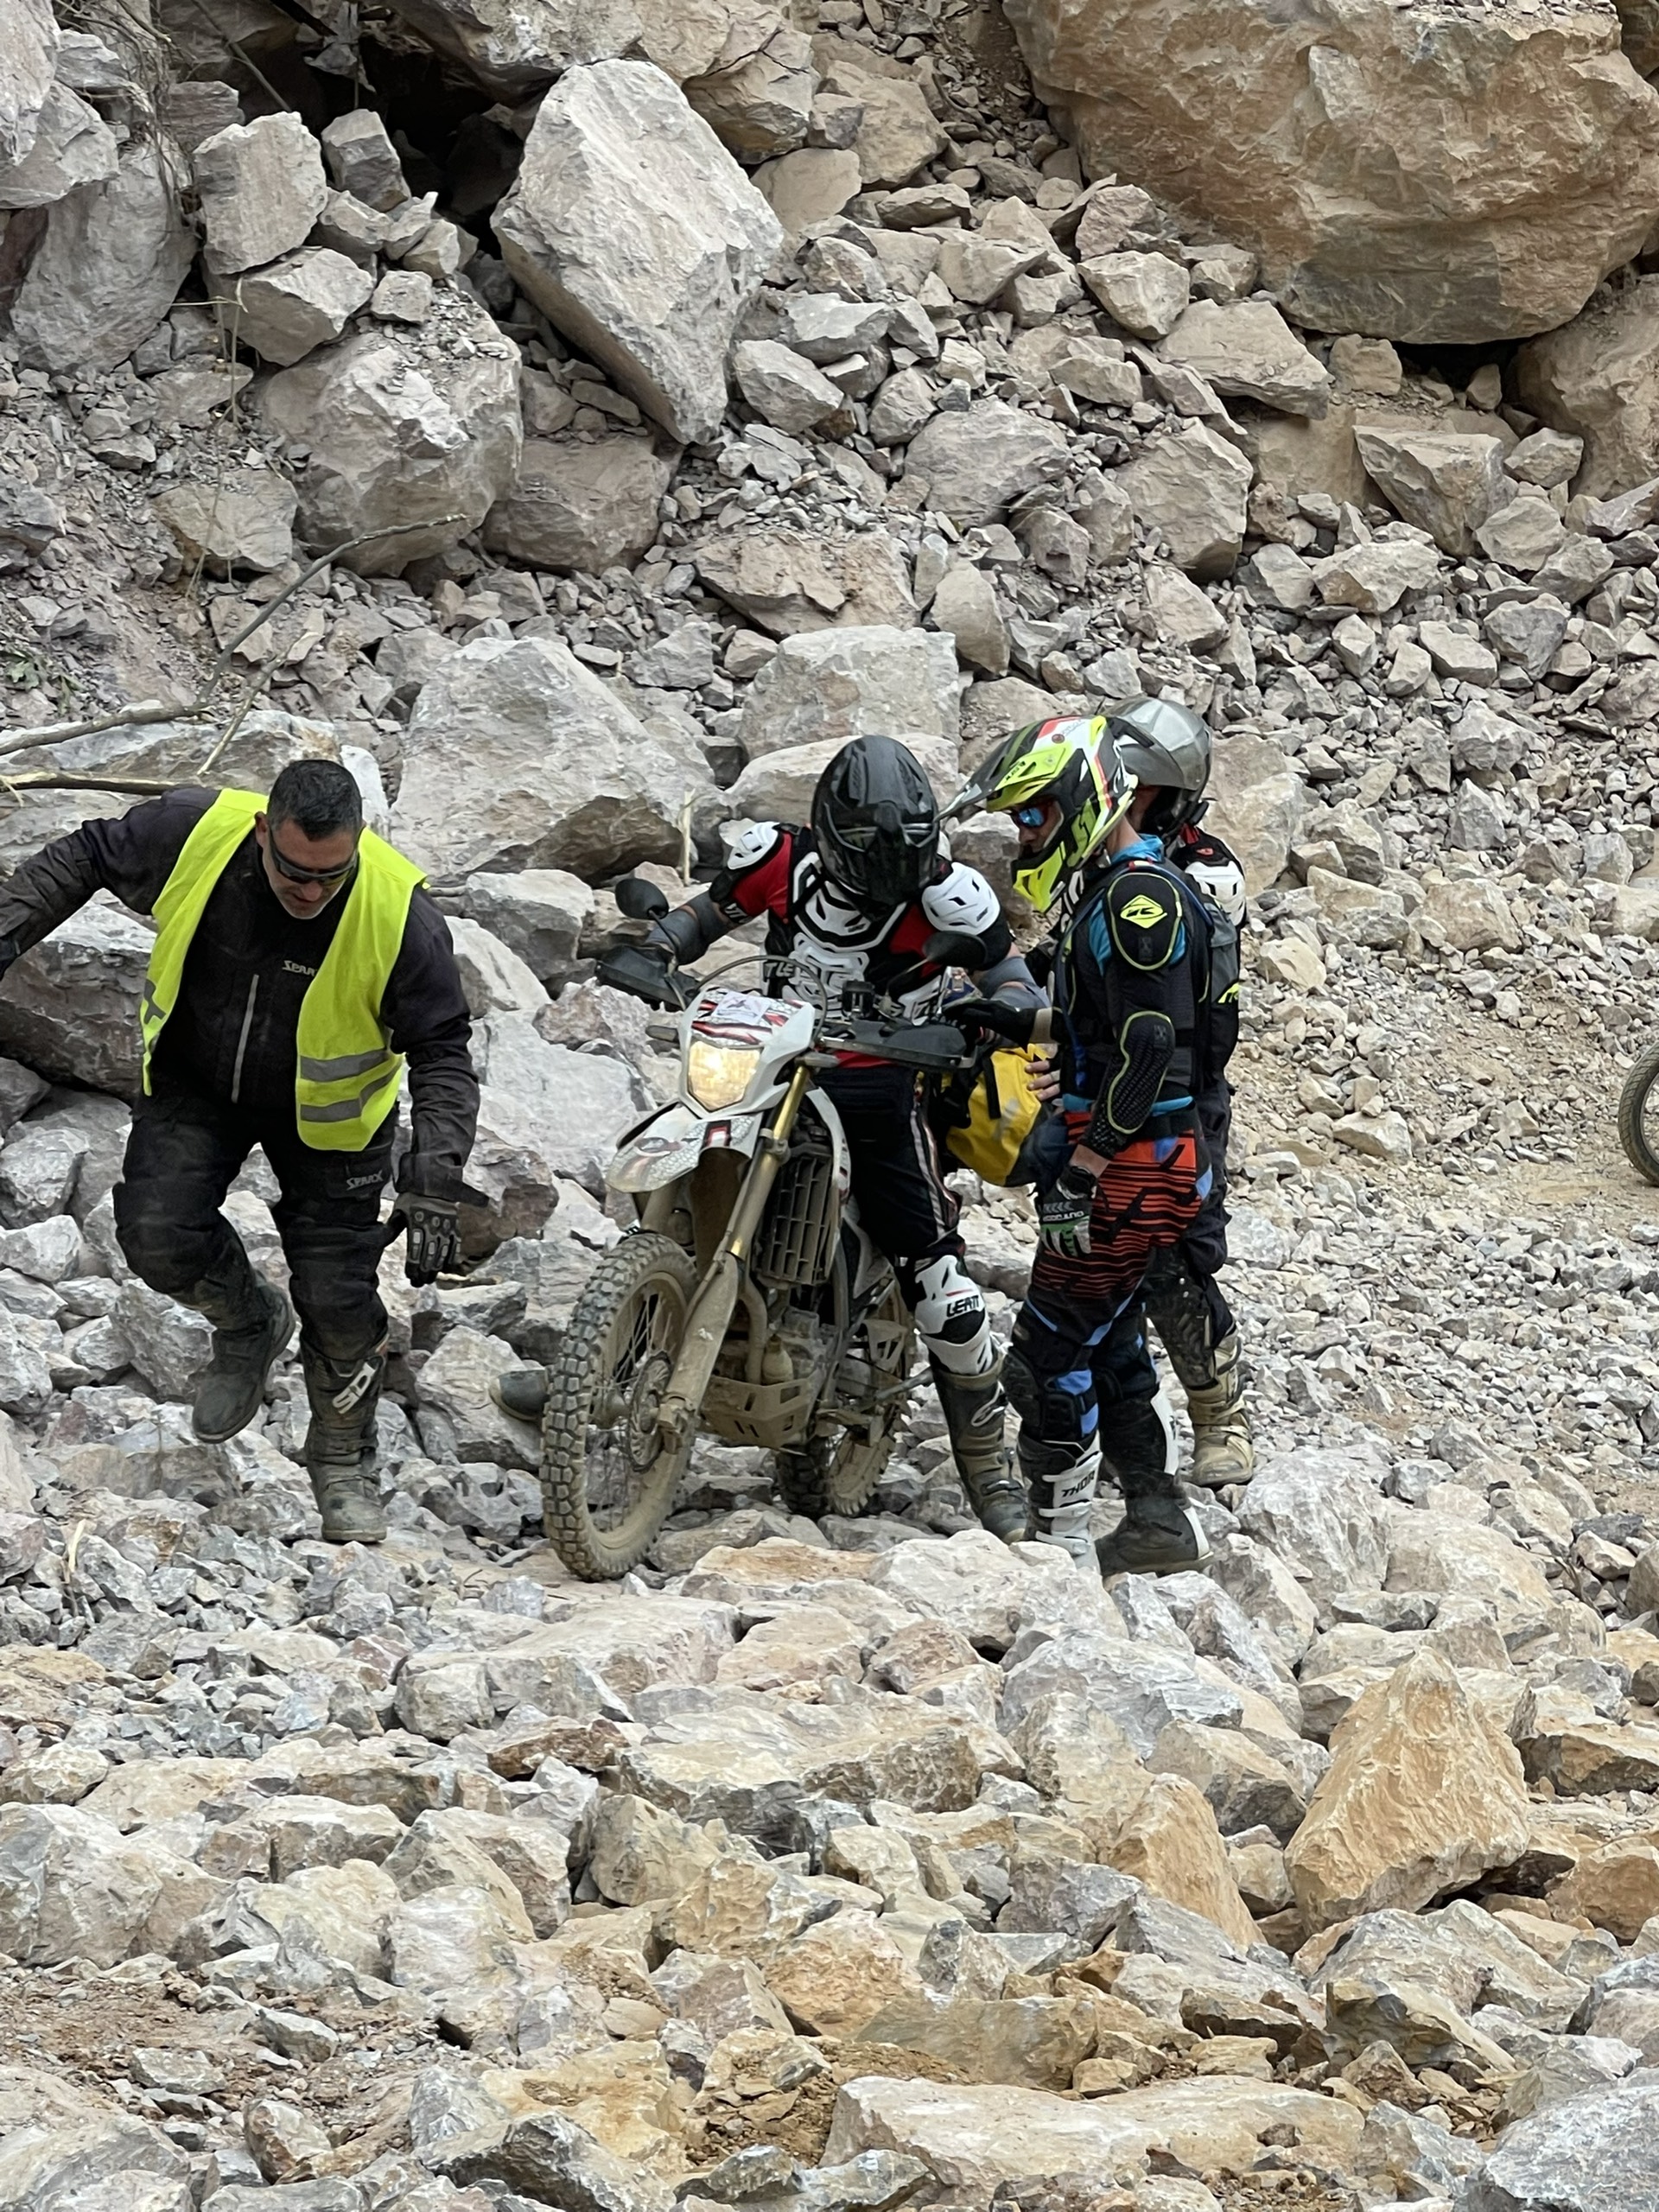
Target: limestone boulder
109, 267
1393, 179
1189, 487
897, 131
1246, 350
518, 756
72, 1886
539, 913
976, 462
639, 237
1444, 483
286, 311
1593, 2153
582, 502
67, 1007
1145, 293
262, 186
73, 146
1171, 1842
238, 519
1424, 1795
787, 578
1598, 378
28, 57
514, 48
836, 685
756, 94
1258, 800
1321, 1511
411, 435
973, 2136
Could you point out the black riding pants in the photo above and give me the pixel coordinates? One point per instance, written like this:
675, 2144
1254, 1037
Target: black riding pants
184, 1152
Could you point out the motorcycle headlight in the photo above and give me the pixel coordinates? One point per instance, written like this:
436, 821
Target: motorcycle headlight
718, 1075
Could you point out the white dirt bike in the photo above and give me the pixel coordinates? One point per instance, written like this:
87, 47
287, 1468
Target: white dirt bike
750, 1302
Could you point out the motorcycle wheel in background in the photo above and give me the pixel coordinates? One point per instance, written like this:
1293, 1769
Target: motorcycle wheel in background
607, 1486
836, 1473
1638, 1115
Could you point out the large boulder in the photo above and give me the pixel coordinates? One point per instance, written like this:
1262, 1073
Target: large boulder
1424, 1796
1599, 378
1443, 481
108, 269
29, 55
1595, 2153
1450, 179
261, 185
637, 235
73, 145
516, 756
587, 503
975, 462
411, 436
70, 1006
517, 47
1247, 351
1189, 487
785, 579
859, 682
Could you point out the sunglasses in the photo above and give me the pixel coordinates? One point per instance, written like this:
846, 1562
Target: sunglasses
330, 878
1030, 816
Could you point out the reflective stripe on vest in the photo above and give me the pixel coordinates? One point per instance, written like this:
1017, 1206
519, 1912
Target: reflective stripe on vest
345, 1075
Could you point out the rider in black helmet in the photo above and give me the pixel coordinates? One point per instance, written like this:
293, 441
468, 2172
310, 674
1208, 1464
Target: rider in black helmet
852, 899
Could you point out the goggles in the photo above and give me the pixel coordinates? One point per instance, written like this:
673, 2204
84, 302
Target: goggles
1030, 816
329, 878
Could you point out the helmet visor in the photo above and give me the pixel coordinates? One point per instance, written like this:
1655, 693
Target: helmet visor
881, 864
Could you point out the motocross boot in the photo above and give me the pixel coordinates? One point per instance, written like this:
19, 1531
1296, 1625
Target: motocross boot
1224, 1450
340, 1452
1159, 1534
1187, 1312
253, 1322
522, 1392
973, 1406
1064, 1478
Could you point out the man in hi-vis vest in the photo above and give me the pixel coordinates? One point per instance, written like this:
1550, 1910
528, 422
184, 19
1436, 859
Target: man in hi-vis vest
297, 966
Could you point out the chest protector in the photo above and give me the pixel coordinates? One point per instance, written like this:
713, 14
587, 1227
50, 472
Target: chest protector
345, 1075
1207, 1019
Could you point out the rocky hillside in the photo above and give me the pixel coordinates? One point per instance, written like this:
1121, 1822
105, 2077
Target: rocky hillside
581, 419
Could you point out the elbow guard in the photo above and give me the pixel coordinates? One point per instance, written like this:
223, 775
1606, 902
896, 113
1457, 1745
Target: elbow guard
1147, 1043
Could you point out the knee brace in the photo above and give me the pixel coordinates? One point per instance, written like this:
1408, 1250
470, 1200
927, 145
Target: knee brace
1057, 1413
1190, 1315
951, 1317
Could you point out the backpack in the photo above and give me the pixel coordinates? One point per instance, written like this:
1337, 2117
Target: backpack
989, 1112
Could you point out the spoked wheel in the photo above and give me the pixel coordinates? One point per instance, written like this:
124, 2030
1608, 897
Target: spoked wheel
607, 1486
1638, 1115
836, 1473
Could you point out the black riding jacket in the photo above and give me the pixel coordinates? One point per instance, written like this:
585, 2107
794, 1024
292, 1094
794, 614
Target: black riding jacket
232, 1035
1131, 982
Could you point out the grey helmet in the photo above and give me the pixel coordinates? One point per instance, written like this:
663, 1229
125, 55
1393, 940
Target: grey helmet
1162, 743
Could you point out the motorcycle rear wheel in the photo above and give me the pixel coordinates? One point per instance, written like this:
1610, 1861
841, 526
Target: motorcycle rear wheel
1638, 1115
837, 1473
607, 1486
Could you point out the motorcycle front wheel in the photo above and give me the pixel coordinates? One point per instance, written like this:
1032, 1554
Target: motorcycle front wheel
608, 1485
1638, 1115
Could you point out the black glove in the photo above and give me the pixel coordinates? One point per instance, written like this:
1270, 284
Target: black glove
996, 1018
1063, 1214
644, 971
433, 1244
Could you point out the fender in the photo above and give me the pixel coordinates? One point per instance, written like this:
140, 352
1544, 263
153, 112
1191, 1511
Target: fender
669, 1143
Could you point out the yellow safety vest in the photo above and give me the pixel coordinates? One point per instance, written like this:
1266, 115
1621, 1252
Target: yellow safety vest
346, 1076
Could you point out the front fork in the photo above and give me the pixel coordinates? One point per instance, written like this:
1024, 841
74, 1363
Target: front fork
715, 1302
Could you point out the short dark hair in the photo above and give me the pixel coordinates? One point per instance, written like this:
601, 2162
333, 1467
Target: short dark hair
319, 797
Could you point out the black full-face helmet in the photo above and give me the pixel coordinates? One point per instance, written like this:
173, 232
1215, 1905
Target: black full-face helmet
875, 824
